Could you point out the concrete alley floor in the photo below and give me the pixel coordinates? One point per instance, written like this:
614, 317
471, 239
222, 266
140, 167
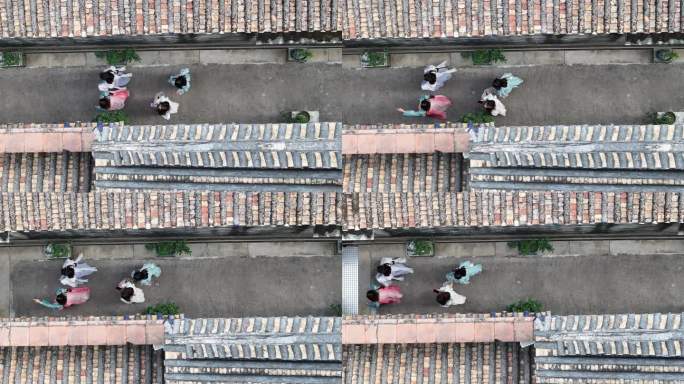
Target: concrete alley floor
234, 280
578, 278
551, 94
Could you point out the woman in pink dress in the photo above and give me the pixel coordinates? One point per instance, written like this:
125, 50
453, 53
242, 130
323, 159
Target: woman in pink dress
431, 106
66, 297
113, 100
385, 295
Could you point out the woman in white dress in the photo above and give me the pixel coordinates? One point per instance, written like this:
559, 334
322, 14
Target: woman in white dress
491, 102
114, 78
392, 269
434, 77
446, 296
130, 294
75, 271
164, 106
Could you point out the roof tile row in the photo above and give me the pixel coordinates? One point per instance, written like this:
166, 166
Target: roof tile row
86, 18
361, 211
355, 211
358, 19
151, 210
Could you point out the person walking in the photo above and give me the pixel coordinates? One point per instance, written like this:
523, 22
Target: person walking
113, 100
430, 106
114, 78
446, 296
146, 274
491, 103
434, 77
464, 272
164, 106
385, 295
181, 81
130, 294
392, 269
66, 297
75, 271
505, 83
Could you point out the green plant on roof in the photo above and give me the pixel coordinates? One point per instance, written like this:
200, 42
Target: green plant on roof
111, 117
667, 118
485, 56
421, 247
58, 250
170, 248
300, 55
119, 56
165, 309
374, 58
531, 246
336, 309
10, 59
477, 118
529, 305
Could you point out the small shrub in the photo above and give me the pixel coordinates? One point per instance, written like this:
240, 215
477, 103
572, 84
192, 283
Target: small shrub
374, 58
302, 117
169, 248
485, 56
529, 305
477, 118
111, 117
421, 247
164, 309
10, 59
301, 55
667, 118
119, 56
531, 246
336, 309
58, 250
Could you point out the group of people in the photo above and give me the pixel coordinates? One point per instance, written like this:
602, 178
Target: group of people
114, 91
389, 269
436, 76
395, 268
74, 274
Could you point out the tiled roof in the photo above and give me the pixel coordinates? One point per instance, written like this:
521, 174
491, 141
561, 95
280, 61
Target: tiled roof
121, 364
93, 18
440, 328
507, 208
267, 349
365, 139
434, 172
168, 210
618, 158
35, 138
367, 19
46, 172
156, 210
438, 363
633, 348
353, 19
232, 157
92, 331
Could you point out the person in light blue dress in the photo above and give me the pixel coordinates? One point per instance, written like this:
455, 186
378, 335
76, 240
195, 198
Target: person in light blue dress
146, 274
464, 272
181, 81
505, 83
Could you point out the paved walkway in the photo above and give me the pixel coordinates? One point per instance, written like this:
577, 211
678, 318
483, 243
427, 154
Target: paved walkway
218, 282
606, 280
259, 93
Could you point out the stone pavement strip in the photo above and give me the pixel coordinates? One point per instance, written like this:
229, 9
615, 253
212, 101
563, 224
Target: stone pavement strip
551, 94
612, 281
224, 286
